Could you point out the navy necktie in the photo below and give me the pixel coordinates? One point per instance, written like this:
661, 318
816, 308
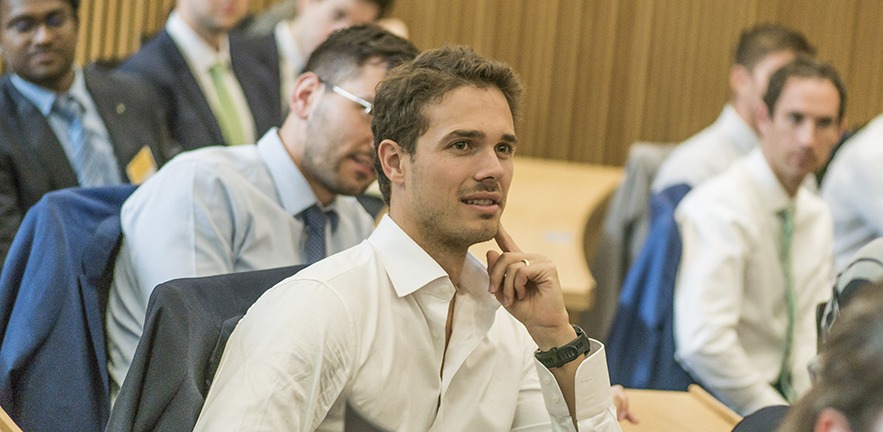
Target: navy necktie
314, 220
92, 158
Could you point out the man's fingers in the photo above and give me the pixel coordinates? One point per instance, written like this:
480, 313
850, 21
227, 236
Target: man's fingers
505, 242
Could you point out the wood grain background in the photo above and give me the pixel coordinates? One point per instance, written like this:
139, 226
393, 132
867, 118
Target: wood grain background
600, 74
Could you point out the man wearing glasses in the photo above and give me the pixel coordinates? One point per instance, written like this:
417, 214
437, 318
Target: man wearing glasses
229, 209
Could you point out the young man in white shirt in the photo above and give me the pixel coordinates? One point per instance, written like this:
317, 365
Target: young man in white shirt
407, 328
756, 256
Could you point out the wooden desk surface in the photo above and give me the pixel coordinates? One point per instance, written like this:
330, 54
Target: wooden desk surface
547, 210
677, 411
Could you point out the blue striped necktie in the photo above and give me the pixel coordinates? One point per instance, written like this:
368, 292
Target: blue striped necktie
92, 158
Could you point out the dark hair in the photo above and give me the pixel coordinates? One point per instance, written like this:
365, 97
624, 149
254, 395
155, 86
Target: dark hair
401, 100
75, 5
849, 375
759, 41
383, 6
339, 57
803, 67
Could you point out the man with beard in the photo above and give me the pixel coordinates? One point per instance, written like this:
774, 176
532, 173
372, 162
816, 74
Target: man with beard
230, 209
407, 328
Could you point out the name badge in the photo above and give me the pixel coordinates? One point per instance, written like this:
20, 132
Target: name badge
142, 166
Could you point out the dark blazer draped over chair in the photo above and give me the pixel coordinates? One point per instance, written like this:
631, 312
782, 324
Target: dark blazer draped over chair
187, 325
33, 161
255, 62
53, 292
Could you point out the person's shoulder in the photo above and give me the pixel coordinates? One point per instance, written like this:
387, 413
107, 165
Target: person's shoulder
353, 276
152, 58
718, 194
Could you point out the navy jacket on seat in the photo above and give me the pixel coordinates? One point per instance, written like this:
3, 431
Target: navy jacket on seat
640, 347
53, 290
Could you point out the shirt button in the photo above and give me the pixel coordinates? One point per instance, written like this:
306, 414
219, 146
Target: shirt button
556, 399
547, 380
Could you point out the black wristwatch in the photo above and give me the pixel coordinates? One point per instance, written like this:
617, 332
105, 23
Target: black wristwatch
559, 356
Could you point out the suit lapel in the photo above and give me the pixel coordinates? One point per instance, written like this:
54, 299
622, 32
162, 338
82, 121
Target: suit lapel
39, 142
255, 62
190, 87
112, 110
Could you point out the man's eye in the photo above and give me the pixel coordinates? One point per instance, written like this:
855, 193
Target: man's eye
23, 25
504, 148
460, 145
56, 20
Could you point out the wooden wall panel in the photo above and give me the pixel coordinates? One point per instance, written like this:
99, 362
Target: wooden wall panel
599, 74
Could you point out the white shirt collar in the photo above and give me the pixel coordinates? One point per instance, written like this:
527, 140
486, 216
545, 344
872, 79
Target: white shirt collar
744, 137
410, 268
772, 193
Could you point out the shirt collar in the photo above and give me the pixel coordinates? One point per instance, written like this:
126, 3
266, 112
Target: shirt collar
294, 192
288, 47
744, 137
198, 52
43, 98
410, 268
773, 194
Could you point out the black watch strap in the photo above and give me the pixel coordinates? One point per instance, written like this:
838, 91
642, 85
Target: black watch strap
559, 356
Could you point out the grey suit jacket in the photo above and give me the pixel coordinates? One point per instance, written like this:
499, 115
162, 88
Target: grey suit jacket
33, 161
193, 124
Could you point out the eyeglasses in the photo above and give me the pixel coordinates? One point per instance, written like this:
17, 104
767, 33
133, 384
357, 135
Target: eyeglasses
368, 107
26, 25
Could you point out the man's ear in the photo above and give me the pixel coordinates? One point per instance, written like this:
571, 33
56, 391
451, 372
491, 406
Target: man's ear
740, 77
763, 119
305, 96
392, 156
831, 420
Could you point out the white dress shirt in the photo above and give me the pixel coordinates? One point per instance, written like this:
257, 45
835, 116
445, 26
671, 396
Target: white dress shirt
367, 327
730, 308
708, 153
853, 188
201, 57
212, 211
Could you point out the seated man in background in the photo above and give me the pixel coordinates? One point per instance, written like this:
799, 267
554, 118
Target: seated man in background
848, 377
221, 210
761, 51
216, 88
63, 126
297, 37
852, 187
407, 327
757, 250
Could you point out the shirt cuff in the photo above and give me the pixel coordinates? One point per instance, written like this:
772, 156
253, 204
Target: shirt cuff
592, 389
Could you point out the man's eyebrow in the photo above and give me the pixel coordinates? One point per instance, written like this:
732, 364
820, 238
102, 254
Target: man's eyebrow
477, 134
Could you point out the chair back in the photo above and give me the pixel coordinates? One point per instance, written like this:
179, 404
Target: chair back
187, 325
53, 294
624, 229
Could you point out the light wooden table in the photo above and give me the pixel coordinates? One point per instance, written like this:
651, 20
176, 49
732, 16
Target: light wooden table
675, 411
549, 207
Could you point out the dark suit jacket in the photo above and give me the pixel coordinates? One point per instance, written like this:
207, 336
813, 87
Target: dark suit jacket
193, 124
32, 160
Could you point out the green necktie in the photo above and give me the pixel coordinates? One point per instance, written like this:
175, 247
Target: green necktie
783, 383
228, 118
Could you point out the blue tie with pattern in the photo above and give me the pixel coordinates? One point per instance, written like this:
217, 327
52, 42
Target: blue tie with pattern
91, 157
314, 219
